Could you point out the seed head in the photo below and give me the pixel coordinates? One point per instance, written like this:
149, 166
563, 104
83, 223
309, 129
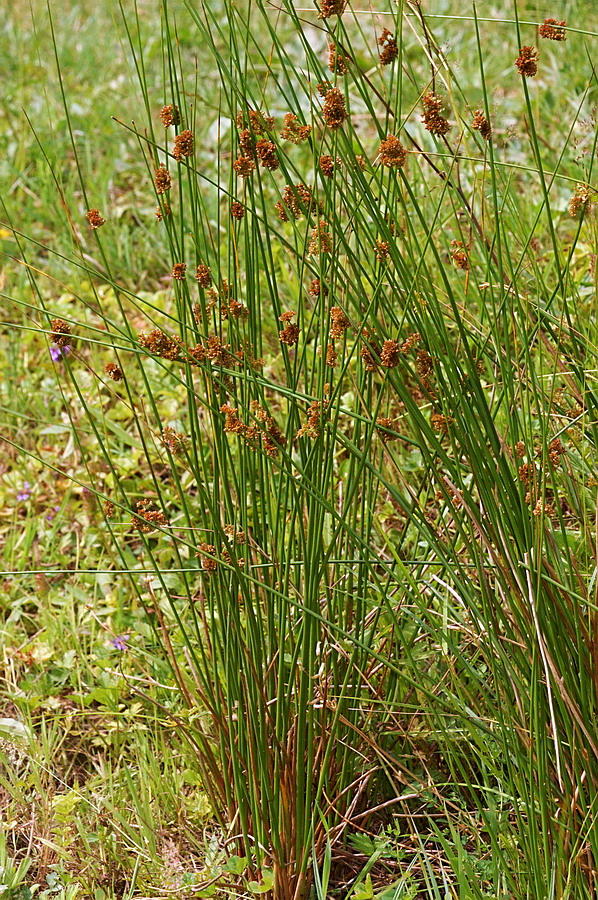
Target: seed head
330, 356
316, 288
389, 50
480, 123
114, 371
203, 276
243, 166
331, 8
385, 429
459, 254
328, 164
147, 520
337, 61
553, 30
391, 152
390, 355
237, 210
321, 240
183, 145
160, 344
432, 118
441, 423
162, 179
410, 341
94, 218
581, 201
266, 153
293, 131
382, 250
61, 332
527, 61
179, 271
339, 322
334, 112
170, 115
290, 333
165, 210
258, 121
246, 143
208, 565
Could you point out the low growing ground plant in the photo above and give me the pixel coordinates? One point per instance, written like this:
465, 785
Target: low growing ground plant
340, 459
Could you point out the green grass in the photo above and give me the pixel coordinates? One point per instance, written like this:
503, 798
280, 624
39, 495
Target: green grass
387, 685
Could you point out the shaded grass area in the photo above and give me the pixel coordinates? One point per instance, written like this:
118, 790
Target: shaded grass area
109, 796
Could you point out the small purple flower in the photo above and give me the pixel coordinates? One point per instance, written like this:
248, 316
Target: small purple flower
24, 493
57, 353
51, 515
120, 642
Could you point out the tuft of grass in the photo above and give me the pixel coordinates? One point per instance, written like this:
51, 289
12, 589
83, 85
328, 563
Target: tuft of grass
336, 511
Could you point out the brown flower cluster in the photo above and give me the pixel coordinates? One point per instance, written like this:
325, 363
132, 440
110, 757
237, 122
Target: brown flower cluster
109, 508
170, 115
246, 142
313, 426
290, 333
94, 218
441, 423
390, 355
234, 309
61, 332
174, 440
160, 344
335, 111
331, 356
266, 153
382, 250
424, 364
459, 255
581, 201
328, 164
432, 118
147, 519
331, 8
163, 211
391, 152
337, 61
411, 341
114, 371
555, 451
388, 48
237, 210
206, 552
271, 437
385, 429
293, 131
480, 123
179, 271
316, 288
184, 145
527, 61
243, 166
553, 30
297, 200
219, 353
320, 240
339, 322
371, 351
162, 179
203, 276
257, 121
